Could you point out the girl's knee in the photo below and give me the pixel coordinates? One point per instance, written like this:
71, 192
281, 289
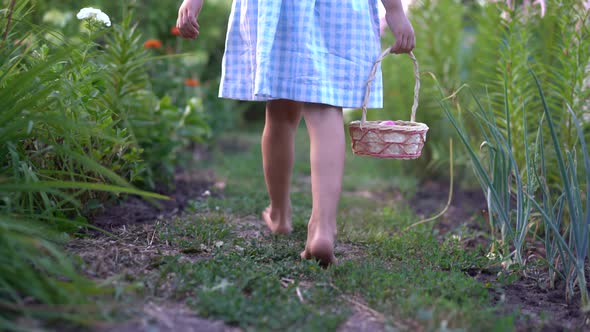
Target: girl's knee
322, 113
284, 112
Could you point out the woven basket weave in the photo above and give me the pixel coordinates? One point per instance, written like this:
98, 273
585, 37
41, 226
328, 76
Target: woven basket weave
403, 140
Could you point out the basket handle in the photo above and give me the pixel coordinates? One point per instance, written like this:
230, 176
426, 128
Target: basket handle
372, 77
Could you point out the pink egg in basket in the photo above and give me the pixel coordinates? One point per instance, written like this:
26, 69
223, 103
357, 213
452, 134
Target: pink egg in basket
387, 123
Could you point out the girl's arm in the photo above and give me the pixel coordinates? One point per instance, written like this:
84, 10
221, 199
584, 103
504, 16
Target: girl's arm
187, 18
402, 29
392, 5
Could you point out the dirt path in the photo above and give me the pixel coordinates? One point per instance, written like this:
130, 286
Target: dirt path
143, 238
133, 249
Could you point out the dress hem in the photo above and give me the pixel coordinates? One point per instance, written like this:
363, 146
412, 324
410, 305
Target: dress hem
237, 91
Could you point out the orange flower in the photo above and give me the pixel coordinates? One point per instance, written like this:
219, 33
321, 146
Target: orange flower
174, 31
152, 43
191, 82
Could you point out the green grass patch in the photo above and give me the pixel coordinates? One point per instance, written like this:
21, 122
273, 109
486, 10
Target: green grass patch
253, 282
257, 281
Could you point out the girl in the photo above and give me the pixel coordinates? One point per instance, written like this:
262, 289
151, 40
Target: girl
305, 58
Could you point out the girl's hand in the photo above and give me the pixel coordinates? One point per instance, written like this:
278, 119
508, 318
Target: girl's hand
187, 18
402, 29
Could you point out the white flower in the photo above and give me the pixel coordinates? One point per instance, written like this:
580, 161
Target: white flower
94, 14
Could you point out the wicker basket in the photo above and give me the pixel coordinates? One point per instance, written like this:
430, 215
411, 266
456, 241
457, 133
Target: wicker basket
382, 139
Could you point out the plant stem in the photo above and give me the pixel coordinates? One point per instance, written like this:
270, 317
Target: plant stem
582, 286
8, 21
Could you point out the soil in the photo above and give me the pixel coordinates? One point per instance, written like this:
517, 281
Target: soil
134, 209
539, 309
167, 317
362, 321
465, 207
129, 251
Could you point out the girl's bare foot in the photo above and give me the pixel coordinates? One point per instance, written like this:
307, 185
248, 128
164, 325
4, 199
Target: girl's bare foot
321, 250
319, 245
278, 224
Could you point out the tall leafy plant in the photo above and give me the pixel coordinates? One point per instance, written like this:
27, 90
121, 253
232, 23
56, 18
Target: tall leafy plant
159, 129
507, 188
574, 241
502, 52
552, 39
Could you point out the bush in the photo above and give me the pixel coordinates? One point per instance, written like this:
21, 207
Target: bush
79, 122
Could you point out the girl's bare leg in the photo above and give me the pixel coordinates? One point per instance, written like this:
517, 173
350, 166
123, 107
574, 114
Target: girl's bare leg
278, 149
326, 133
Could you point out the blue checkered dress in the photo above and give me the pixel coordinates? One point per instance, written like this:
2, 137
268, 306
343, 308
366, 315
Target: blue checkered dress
319, 51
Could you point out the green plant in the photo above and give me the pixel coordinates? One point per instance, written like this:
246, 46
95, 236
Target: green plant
169, 64
511, 38
574, 240
159, 129
57, 154
565, 217
35, 273
498, 173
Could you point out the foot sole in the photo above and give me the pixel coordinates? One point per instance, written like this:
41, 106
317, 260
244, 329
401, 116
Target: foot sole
320, 250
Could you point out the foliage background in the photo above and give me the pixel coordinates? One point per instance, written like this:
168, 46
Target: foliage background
90, 113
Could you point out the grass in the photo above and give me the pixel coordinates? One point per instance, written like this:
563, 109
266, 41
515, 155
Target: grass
247, 277
254, 282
